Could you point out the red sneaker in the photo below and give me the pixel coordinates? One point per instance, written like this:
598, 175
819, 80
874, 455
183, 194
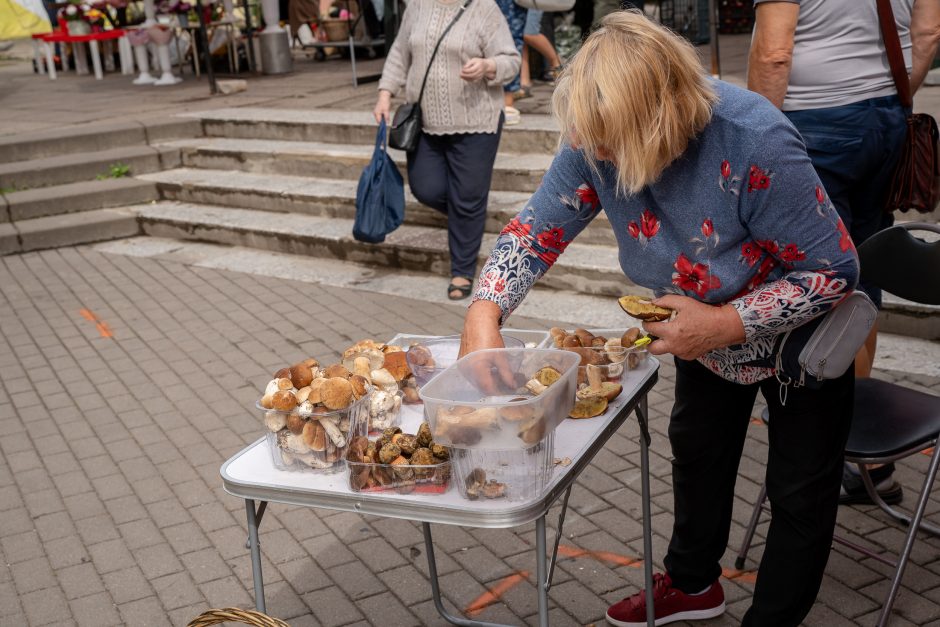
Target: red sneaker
671, 604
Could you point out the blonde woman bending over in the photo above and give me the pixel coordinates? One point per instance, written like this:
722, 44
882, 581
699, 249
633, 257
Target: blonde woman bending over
718, 210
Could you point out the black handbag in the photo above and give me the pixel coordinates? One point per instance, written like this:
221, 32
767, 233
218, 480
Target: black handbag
406, 123
915, 183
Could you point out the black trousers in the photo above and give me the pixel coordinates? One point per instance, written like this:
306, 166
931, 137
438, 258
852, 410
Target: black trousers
452, 174
807, 437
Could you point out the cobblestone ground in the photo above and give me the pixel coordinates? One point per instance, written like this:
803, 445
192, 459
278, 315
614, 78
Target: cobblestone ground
127, 382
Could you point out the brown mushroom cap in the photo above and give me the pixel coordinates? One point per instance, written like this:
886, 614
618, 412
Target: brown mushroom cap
589, 356
642, 308
301, 375
295, 424
571, 341
629, 336
315, 388
311, 363
397, 365
589, 407
360, 386
283, 401
336, 393
547, 375
337, 370
283, 373
315, 435
284, 383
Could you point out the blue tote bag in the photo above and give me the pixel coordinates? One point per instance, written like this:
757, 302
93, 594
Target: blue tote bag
380, 197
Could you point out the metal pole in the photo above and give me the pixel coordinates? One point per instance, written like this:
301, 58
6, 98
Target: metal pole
713, 37
541, 571
204, 44
647, 517
249, 37
255, 549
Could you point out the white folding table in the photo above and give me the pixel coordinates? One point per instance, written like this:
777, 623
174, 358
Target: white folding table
252, 476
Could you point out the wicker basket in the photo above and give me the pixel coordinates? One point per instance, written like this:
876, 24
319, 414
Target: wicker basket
235, 615
335, 28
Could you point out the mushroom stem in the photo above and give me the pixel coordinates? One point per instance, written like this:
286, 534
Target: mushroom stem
332, 430
595, 377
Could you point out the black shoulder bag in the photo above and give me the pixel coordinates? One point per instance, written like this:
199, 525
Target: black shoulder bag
406, 124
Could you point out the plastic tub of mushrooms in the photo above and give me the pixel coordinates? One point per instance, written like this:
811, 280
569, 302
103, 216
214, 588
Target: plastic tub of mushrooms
501, 398
399, 462
311, 413
510, 474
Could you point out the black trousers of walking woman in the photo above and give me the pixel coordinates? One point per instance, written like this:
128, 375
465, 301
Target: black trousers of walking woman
807, 437
452, 174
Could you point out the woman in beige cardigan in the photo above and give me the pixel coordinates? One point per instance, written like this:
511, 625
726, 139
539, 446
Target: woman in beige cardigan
462, 114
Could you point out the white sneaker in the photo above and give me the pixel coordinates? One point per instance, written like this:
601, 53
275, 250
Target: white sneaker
512, 116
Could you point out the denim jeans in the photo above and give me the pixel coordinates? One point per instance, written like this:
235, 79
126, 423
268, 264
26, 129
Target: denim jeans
854, 149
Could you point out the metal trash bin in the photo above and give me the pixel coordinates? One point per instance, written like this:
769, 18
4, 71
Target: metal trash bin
275, 52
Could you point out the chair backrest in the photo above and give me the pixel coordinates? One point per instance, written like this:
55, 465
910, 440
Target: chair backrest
906, 266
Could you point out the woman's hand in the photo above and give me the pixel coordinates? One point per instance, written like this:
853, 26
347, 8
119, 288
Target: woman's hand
382, 107
480, 331
476, 68
696, 329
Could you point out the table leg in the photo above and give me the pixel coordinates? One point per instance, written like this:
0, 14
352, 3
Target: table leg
96, 59
541, 571
558, 532
641, 413
352, 59
253, 520
37, 58
50, 61
436, 588
81, 60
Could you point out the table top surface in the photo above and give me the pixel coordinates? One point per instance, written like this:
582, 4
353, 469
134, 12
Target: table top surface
251, 473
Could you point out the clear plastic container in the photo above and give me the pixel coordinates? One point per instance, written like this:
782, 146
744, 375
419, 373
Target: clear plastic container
442, 352
482, 401
384, 410
401, 479
290, 436
635, 358
519, 474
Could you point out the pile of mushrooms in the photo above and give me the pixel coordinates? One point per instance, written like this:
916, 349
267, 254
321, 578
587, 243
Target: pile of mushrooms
384, 366
614, 353
397, 460
307, 408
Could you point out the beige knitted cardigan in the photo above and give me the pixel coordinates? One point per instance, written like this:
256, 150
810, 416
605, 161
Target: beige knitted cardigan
451, 104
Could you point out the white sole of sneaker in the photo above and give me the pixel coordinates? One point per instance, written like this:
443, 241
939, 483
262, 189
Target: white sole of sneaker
711, 612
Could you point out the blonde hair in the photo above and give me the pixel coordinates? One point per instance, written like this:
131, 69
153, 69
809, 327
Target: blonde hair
637, 92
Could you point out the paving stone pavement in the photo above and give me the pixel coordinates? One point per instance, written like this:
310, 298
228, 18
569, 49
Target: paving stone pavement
126, 382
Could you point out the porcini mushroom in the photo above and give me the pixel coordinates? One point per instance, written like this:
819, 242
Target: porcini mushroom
336, 393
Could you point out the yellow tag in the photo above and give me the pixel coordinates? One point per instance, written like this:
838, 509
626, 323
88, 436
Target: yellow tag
643, 341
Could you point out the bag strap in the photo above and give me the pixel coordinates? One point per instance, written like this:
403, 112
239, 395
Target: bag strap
381, 137
438, 45
889, 34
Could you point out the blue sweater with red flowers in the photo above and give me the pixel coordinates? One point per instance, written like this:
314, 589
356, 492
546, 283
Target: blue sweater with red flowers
740, 218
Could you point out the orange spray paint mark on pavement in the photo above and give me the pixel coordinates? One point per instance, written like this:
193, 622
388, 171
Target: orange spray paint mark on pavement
927, 451
747, 576
756, 421
102, 326
492, 595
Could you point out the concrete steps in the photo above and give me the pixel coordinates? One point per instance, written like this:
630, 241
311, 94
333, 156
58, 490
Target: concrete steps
512, 171
327, 198
74, 167
74, 197
86, 138
585, 268
66, 230
535, 134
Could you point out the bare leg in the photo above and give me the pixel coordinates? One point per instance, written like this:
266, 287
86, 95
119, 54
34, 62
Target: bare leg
544, 47
524, 79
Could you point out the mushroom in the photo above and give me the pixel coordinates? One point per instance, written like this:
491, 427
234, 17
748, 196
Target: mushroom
614, 350
360, 386
292, 443
301, 375
316, 386
409, 389
642, 308
362, 367
493, 489
558, 335
532, 430
311, 363
397, 366
585, 336
302, 394
271, 388
284, 383
267, 401
547, 375
475, 482
384, 408
314, 436
629, 336
366, 348
406, 442
305, 409
295, 423
275, 420
589, 407
534, 386
283, 373
384, 380
424, 435
336, 393
332, 430
389, 452
517, 413
283, 401
597, 386
571, 341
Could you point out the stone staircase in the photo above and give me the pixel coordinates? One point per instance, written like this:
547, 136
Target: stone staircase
72, 186
284, 182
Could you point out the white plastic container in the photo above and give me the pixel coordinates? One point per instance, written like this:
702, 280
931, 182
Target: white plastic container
481, 401
513, 474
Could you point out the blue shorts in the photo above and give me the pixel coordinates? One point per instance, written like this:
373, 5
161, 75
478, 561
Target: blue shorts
854, 149
533, 22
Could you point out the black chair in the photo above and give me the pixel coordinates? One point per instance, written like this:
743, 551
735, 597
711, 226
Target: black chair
890, 422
